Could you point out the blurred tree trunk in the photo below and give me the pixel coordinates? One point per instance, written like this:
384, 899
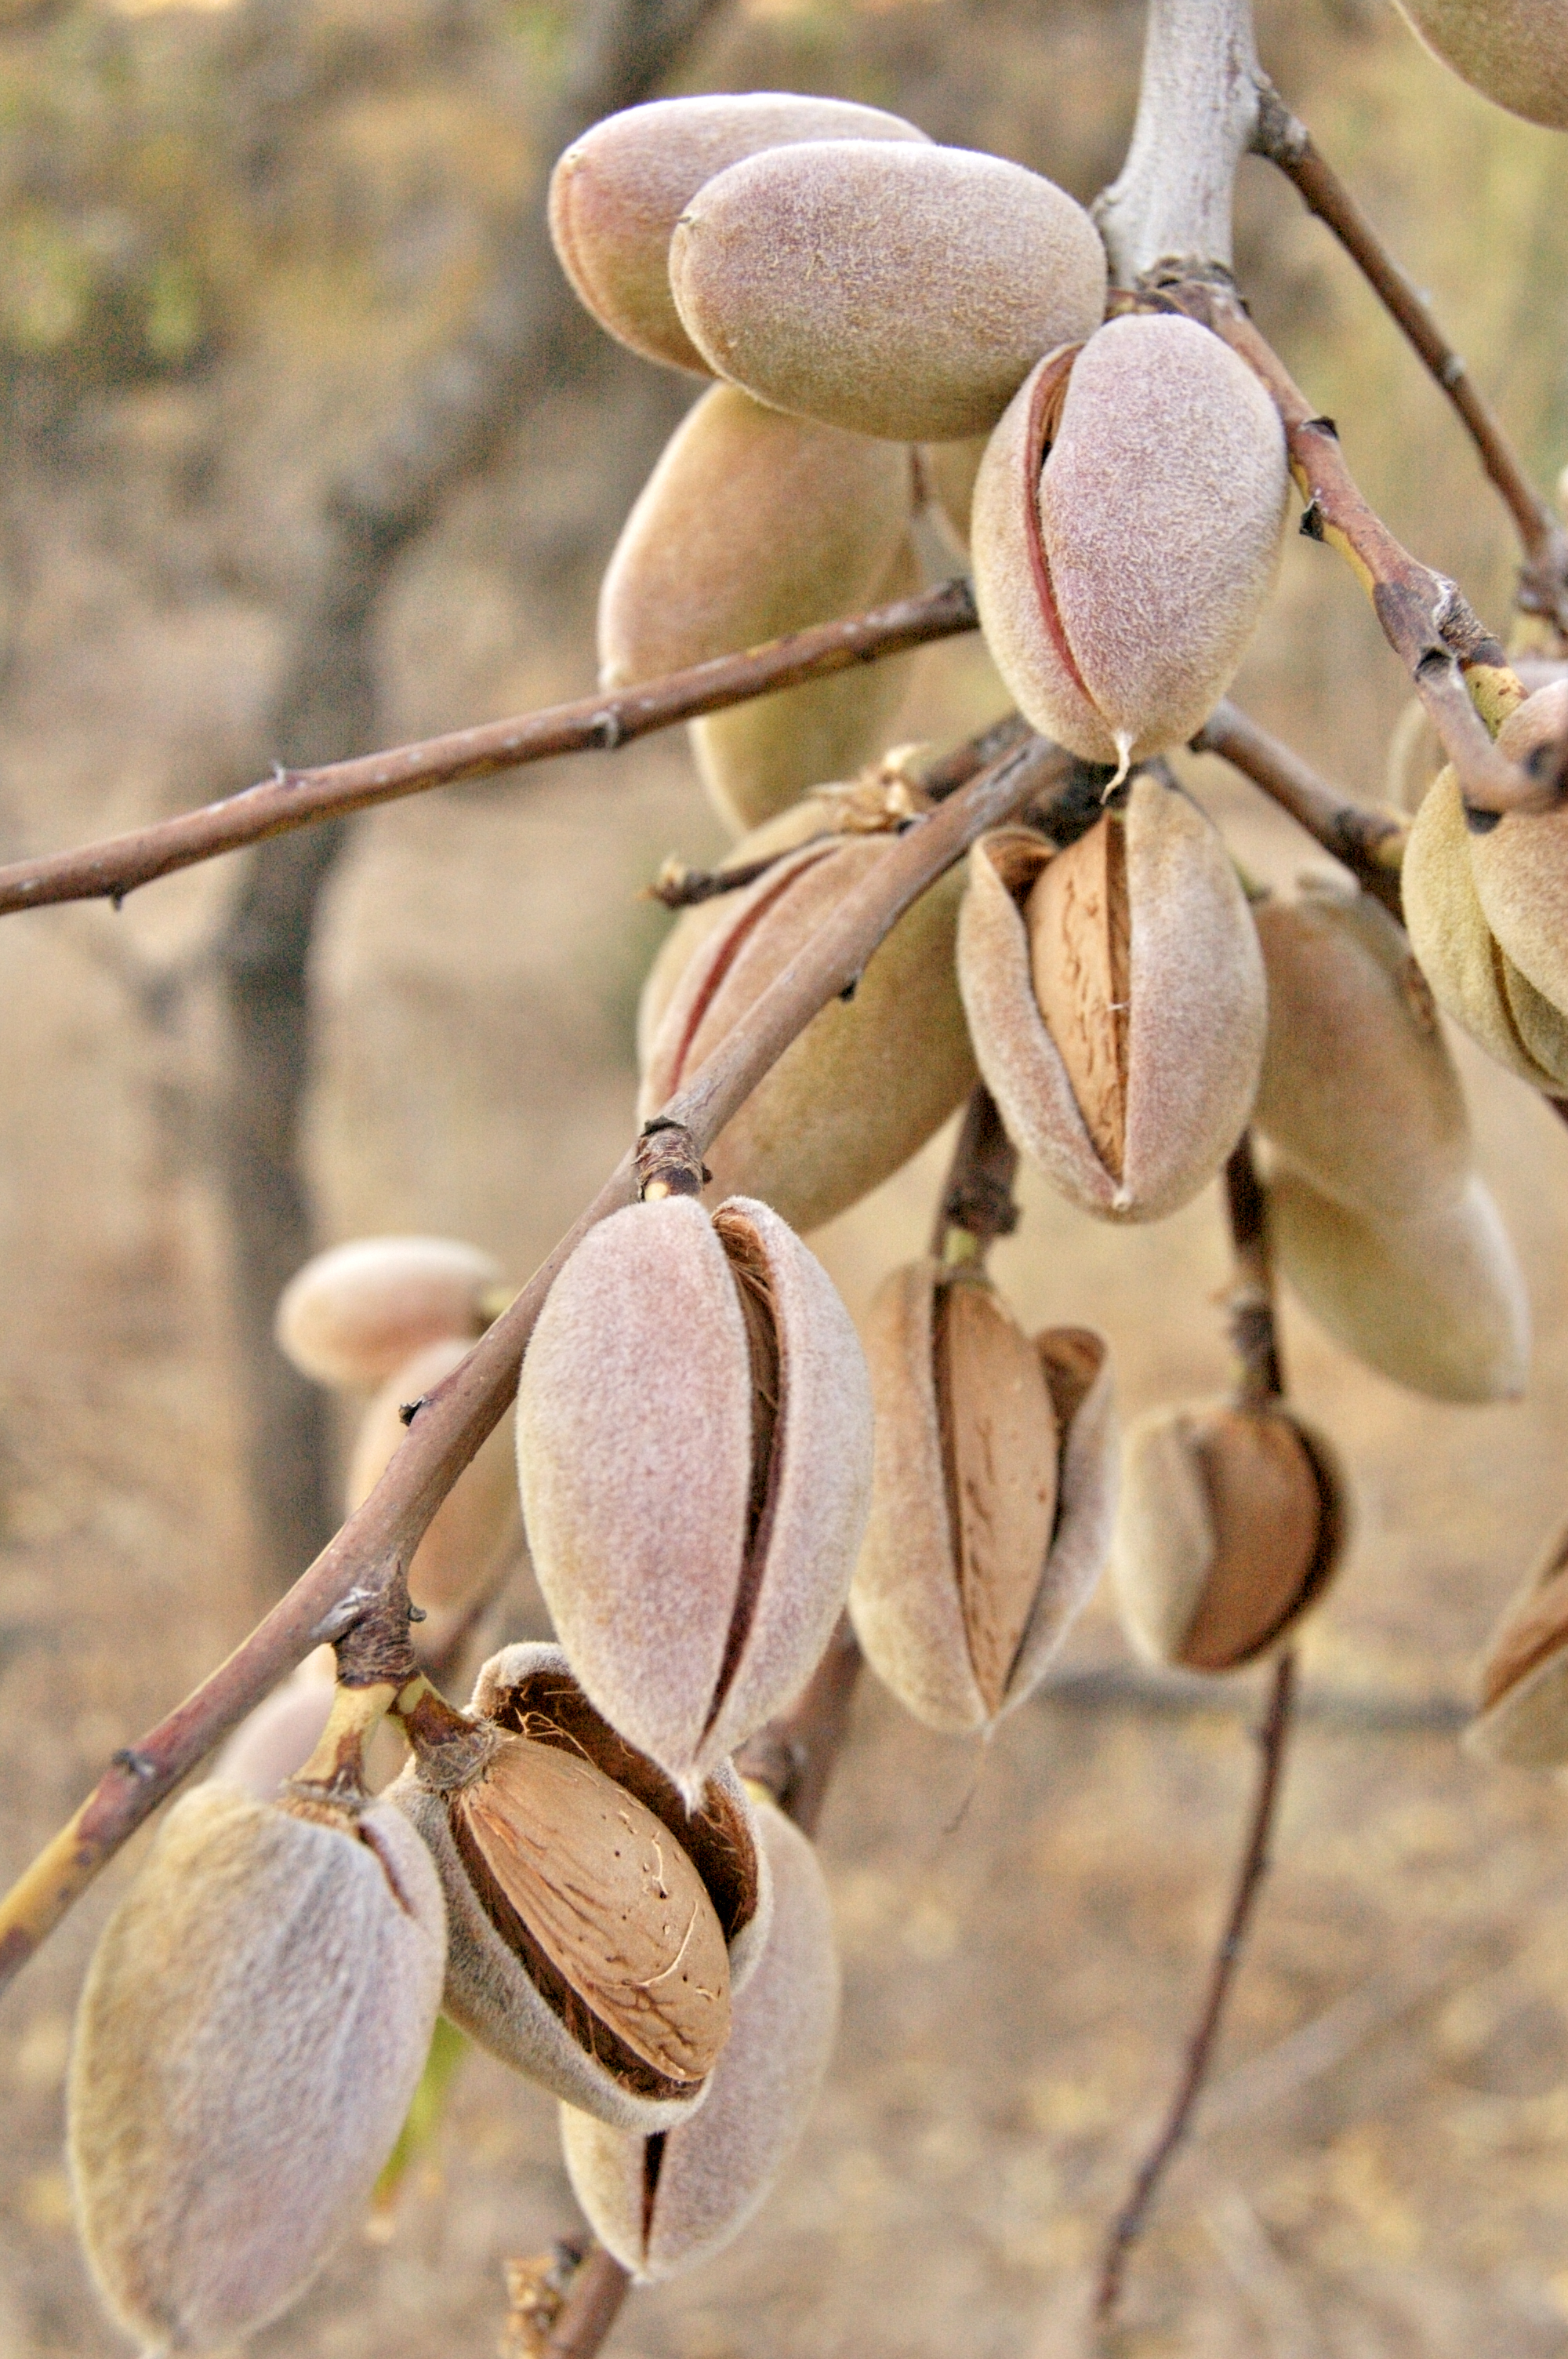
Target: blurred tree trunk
528, 338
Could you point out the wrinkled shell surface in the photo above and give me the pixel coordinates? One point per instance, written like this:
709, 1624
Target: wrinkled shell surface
255, 2022
1195, 1024
1472, 978
757, 757
714, 2172
1436, 1303
489, 1994
1229, 1527
355, 1314
1117, 588
902, 291
906, 1602
617, 193
1359, 1088
869, 1080
611, 1897
634, 1443
1524, 1681
1514, 53
476, 1533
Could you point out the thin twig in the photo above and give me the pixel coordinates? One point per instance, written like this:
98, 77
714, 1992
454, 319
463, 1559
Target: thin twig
1262, 1380
1253, 1329
1371, 843
110, 870
977, 1199
1128, 2223
599, 2286
455, 1418
1285, 142
1459, 671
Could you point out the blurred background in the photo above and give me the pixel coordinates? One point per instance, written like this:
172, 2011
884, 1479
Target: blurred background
306, 450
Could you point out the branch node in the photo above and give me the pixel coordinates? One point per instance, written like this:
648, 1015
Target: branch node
668, 1162
1311, 521
135, 1764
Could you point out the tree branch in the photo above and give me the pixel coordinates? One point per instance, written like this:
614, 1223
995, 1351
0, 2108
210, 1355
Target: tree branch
1127, 2225
1197, 110
1371, 843
1287, 143
110, 870
380, 1538
1459, 671
1262, 1381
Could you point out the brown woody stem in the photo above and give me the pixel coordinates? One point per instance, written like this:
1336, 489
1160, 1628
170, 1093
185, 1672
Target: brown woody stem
1543, 578
382, 1535
1128, 2223
294, 799
1253, 1329
1371, 843
1458, 669
1262, 1381
599, 2286
977, 1200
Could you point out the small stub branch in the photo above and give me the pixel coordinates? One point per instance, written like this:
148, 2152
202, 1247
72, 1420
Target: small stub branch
1169, 214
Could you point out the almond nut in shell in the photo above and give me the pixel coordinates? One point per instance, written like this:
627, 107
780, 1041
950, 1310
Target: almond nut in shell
904, 291
254, 2023
1115, 1001
1126, 527
355, 1314
992, 1493
694, 1439
1359, 1090
1231, 1526
598, 1925
1435, 1300
753, 525
660, 2204
617, 193
867, 1080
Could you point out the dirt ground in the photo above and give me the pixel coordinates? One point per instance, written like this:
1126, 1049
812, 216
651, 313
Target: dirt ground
1382, 2167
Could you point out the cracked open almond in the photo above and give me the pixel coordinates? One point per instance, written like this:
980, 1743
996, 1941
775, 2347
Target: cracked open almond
1231, 1526
660, 2204
1115, 1001
991, 1498
693, 1437
599, 1924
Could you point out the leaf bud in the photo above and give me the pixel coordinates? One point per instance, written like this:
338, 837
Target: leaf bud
1126, 528
751, 526
867, 1082
661, 2203
598, 1924
694, 1441
1434, 1301
355, 1314
1358, 1092
1115, 1001
1515, 52
617, 193
903, 291
1523, 1715
992, 1493
475, 1536
1231, 1526
254, 2023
